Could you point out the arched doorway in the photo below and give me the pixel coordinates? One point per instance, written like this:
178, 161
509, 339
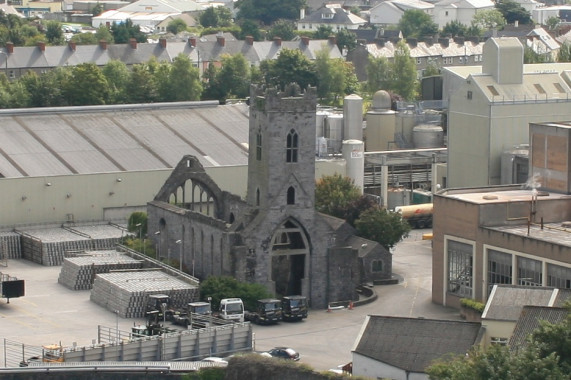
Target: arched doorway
290, 259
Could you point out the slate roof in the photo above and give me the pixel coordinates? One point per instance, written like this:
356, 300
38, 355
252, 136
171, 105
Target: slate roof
506, 302
529, 320
24, 57
339, 16
130, 137
412, 344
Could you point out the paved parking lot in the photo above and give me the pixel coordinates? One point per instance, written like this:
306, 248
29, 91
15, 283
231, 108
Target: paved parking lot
51, 313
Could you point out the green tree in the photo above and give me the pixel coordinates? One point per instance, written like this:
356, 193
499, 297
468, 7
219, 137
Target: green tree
335, 77
250, 28
87, 86
54, 33
379, 74
530, 56
268, 11
334, 194
47, 90
117, 75
141, 87
137, 223
489, 19
564, 54
84, 39
235, 74
552, 23
104, 34
404, 72
323, 32
184, 83
291, 66
97, 9
454, 28
209, 18
385, 227
284, 29
176, 26
346, 40
513, 12
124, 31
416, 23
228, 287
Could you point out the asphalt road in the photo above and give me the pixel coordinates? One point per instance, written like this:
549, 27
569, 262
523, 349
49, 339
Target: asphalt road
50, 313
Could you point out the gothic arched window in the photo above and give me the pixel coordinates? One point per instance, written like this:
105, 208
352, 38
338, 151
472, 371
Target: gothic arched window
291, 195
292, 146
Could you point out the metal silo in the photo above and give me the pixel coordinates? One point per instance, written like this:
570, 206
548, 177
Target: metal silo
334, 132
428, 136
354, 155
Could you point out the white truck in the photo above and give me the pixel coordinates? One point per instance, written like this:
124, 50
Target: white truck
231, 309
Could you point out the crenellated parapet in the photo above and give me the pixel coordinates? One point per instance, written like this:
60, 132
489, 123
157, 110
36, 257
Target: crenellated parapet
291, 99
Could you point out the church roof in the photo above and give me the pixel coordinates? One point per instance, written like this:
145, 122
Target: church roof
128, 137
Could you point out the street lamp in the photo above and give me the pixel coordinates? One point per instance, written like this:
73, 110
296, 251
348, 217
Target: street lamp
158, 233
179, 242
140, 225
210, 307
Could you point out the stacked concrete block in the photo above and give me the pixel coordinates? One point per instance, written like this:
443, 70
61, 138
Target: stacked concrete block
127, 292
78, 273
10, 247
48, 246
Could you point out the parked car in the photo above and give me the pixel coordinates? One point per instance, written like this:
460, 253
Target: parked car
283, 353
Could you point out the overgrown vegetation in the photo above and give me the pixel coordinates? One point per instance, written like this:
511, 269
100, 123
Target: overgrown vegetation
472, 304
228, 287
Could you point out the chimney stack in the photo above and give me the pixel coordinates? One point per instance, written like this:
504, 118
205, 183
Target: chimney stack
42, 46
221, 41
103, 44
163, 42
133, 43
305, 40
192, 41
250, 40
10, 47
332, 40
278, 41
71, 45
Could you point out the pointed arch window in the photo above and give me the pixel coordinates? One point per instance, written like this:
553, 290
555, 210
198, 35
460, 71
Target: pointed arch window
292, 146
291, 195
259, 146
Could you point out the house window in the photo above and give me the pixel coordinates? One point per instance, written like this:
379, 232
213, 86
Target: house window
448, 60
499, 341
499, 268
558, 276
469, 95
259, 146
460, 59
419, 61
460, 268
291, 195
291, 146
529, 272
446, 13
377, 266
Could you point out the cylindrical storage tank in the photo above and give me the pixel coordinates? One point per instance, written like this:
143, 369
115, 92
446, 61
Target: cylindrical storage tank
334, 132
320, 117
354, 155
322, 147
397, 196
353, 117
380, 132
428, 136
405, 123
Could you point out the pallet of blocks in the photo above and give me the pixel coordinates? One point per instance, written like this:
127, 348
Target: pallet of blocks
127, 292
10, 245
78, 272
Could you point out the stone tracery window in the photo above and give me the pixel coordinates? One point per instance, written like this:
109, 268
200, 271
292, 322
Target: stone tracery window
292, 146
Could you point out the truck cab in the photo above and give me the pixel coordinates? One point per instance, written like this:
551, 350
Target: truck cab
294, 308
268, 310
232, 309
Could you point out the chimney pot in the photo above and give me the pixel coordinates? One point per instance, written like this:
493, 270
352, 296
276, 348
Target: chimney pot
133, 43
278, 41
250, 40
221, 41
192, 41
163, 42
332, 40
71, 45
42, 46
103, 44
305, 40
10, 47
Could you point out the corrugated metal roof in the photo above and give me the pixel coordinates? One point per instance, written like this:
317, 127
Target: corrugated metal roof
97, 139
507, 301
529, 320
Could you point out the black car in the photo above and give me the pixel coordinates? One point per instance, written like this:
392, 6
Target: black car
283, 353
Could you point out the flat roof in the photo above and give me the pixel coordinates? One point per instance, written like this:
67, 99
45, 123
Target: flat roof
553, 233
499, 194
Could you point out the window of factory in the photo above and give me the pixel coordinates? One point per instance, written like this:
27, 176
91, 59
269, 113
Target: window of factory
558, 276
460, 281
529, 272
499, 268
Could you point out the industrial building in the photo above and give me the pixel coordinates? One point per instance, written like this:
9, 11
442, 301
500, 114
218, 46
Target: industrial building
510, 234
491, 107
